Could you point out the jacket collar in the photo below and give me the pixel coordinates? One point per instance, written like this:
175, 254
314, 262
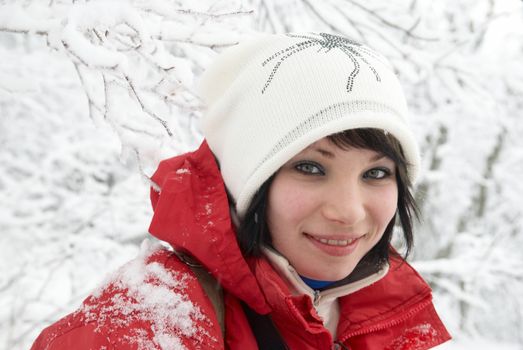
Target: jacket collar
191, 212
282, 265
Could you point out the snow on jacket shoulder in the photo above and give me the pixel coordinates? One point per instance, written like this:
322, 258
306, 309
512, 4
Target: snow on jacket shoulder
143, 306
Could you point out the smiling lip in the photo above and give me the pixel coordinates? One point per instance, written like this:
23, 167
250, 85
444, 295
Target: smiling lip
335, 246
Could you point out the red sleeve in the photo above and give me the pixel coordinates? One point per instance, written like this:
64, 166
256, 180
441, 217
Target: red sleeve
81, 337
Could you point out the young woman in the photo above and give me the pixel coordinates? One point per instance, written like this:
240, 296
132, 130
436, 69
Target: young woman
281, 221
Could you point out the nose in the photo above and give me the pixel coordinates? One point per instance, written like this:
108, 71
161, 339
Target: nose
346, 203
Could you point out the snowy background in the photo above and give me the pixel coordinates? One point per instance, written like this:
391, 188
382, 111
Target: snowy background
94, 93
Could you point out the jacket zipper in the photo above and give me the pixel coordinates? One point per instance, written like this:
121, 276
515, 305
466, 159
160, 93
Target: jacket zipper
423, 304
317, 297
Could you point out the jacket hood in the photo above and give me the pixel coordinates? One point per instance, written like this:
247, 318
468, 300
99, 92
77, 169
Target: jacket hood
191, 213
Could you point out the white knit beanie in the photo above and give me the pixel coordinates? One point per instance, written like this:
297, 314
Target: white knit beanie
270, 97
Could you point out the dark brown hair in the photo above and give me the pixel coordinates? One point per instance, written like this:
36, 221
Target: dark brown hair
253, 232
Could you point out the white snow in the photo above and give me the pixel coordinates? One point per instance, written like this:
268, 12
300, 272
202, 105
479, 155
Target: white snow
183, 171
146, 291
477, 344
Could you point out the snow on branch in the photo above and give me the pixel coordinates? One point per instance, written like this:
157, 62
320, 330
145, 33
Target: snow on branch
136, 62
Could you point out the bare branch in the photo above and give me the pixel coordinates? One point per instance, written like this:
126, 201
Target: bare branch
24, 31
189, 12
90, 101
145, 109
373, 13
194, 42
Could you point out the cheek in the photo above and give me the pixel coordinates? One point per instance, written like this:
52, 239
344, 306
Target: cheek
288, 205
385, 204
282, 204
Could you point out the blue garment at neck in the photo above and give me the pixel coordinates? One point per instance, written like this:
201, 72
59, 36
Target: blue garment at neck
316, 284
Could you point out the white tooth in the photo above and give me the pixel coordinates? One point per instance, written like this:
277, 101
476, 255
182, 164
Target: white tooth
335, 242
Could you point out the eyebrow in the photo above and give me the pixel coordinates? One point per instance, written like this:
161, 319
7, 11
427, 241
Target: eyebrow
331, 155
323, 152
378, 157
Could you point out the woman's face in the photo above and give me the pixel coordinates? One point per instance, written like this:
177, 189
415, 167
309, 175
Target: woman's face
329, 206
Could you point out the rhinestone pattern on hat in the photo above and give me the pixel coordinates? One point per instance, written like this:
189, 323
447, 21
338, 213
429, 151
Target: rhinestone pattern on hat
326, 42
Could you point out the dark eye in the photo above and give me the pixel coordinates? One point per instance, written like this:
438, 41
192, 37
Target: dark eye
310, 168
377, 173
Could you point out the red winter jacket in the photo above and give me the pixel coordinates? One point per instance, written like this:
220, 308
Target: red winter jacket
155, 302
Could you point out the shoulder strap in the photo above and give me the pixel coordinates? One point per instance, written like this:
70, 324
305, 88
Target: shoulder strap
210, 285
264, 330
